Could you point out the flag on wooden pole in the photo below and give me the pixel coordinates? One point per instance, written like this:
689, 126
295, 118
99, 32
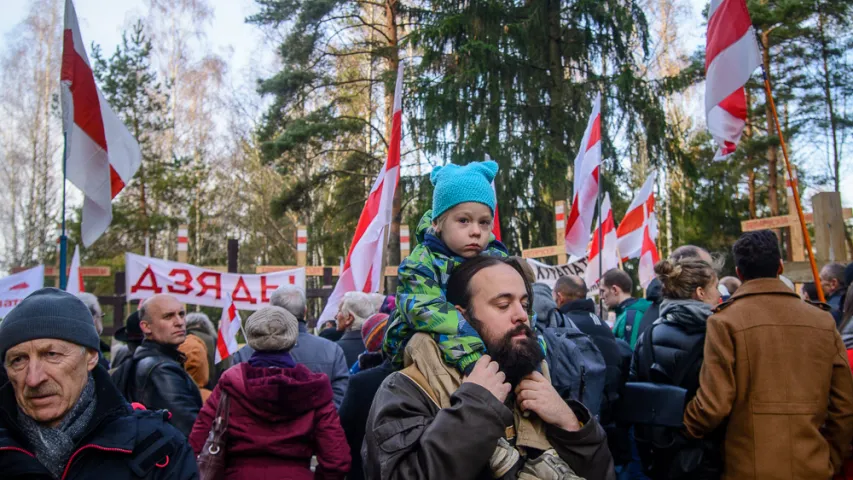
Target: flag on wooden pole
75, 277
101, 155
362, 271
640, 213
586, 172
496, 225
731, 55
229, 325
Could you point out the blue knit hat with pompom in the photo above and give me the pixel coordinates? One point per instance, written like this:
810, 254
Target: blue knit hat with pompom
455, 184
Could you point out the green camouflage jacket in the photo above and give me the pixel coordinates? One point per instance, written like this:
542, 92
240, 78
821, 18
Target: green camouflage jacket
422, 304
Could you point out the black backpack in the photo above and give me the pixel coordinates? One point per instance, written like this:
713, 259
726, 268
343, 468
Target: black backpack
665, 452
578, 371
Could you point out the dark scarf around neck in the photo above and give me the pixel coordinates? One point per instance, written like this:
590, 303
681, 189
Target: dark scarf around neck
280, 359
53, 446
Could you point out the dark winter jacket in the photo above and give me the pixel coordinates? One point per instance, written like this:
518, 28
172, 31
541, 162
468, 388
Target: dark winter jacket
318, 354
355, 408
680, 329
279, 418
407, 436
113, 447
352, 345
654, 294
836, 302
161, 383
543, 302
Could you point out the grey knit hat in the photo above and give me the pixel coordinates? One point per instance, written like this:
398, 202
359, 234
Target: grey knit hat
271, 329
49, 313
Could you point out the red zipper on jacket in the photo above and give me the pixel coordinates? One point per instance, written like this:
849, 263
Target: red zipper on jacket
95, 447
16, 449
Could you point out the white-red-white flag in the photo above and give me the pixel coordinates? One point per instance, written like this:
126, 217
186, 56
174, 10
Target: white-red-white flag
606, 249
586, 173
101, 155
75, 277
731, 55
362, 270
496, 225
648, 258
640, 213
229, 326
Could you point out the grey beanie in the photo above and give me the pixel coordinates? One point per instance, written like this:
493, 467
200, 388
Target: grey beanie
49, 313
271, 329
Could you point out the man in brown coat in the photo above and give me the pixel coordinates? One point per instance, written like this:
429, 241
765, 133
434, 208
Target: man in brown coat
775, 376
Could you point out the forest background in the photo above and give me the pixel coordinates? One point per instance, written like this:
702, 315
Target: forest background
258, 116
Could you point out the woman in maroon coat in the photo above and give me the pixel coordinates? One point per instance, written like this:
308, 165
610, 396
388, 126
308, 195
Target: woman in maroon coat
280, 412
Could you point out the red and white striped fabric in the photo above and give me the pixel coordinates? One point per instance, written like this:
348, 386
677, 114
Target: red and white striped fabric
496, 225
586, 172
640, 213
731, 55
75, 277
183, 238
101, 155
363, 268
606, 250
648, 258
229, 326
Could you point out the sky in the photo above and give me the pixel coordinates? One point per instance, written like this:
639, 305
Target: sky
102, 21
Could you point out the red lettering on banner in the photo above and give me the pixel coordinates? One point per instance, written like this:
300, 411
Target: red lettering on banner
216, 286
187, 282
292, 280
241, 285
266, 288
148, 273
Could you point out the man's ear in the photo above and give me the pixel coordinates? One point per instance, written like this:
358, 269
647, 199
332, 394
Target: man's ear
460, 310
739, 275
91, 359
145, 327
781, 268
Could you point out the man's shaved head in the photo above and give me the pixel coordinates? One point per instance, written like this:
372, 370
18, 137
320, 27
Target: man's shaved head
571, 287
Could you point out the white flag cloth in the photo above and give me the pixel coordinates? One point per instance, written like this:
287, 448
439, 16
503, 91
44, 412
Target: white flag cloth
229, 326
363, 267
101, 155
639, 214
586, 171
18, 286
648, 258
731, 55
606, 250
75, 277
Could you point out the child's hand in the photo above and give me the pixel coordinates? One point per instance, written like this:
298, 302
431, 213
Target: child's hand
487, 374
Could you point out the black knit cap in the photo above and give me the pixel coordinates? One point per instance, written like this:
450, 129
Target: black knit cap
49, 313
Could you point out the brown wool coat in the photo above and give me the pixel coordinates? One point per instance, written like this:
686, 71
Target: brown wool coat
777, 378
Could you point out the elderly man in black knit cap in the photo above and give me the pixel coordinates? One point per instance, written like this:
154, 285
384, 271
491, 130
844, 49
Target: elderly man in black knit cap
61, 416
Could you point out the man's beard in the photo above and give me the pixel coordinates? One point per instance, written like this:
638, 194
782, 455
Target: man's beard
516, 359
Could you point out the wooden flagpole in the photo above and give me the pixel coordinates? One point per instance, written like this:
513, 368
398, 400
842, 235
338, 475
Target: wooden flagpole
794, 187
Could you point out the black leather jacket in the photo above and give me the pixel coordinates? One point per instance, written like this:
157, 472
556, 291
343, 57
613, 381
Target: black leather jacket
161, 383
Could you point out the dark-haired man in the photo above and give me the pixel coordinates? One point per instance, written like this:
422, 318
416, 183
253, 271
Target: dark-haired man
616, 288
776, 371
429, 422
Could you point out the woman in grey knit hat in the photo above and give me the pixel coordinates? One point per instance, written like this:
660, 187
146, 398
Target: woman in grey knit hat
281, 413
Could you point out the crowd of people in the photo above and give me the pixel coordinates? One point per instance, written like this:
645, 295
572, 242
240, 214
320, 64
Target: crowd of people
471, 370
